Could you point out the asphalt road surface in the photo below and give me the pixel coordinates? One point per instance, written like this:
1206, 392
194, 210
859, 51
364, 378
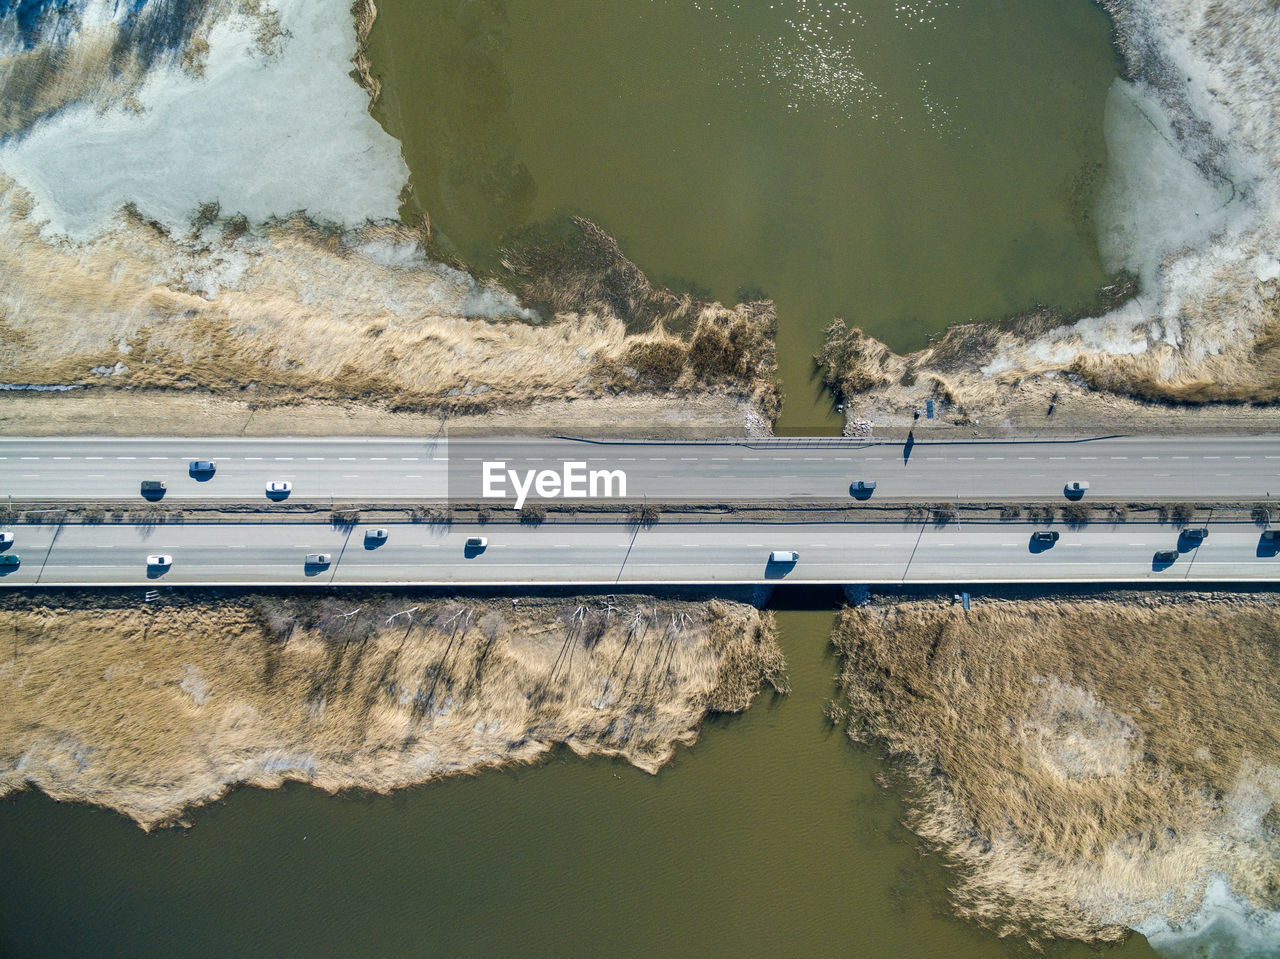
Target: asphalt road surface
255, 554
373, 470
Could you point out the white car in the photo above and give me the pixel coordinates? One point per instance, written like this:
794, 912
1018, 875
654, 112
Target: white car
159, 561
477, 542
1076, 488
784, 556
280, 488
375, 535
6, 540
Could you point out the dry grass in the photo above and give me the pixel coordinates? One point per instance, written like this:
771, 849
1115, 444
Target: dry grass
296, 312
364, 12
1225, 371
152, 709
1085, 764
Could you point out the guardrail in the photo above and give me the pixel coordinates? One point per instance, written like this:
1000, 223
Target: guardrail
835, 442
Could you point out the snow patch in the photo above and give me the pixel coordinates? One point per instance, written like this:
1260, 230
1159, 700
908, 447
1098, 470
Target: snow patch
264, 133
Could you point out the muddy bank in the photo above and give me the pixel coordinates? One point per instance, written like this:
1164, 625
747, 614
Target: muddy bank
152, 709
1087, 765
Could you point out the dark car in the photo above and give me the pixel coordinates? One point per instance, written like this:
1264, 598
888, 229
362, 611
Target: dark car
203, 466
154, 488
1045, 536
1197, 534
1166, 556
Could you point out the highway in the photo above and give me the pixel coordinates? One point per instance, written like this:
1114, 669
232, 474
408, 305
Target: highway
1127, 468
261, 554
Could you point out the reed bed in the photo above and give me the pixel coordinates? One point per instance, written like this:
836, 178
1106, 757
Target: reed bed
152, 709
1084, 764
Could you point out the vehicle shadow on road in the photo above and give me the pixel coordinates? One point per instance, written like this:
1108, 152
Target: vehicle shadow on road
908, 447
774, 570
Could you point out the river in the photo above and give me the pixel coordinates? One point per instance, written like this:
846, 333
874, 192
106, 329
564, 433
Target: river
905, 166
768, 837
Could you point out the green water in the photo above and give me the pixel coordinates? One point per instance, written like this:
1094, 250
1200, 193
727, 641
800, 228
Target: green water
904, 165
769, 837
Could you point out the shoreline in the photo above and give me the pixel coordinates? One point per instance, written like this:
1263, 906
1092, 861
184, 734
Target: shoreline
1074, 756
401, 689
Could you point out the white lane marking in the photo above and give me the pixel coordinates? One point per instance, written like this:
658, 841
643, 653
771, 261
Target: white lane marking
1150, 457
62, 457
658, 459
30, 457
1088, 457
1119, 457
1243, 457
30, 475
95, 457
125, 457
315, 459
964, 458
1207, 457
408, 459
378, 459
1026, 459
415, 476
350, 475
255, 458
995, 459
352, 459
1180, 457
688, 459
278, 458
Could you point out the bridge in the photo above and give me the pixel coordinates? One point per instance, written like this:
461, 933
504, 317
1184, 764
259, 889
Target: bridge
270, 549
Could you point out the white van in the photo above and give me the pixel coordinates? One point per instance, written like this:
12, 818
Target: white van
784, 556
